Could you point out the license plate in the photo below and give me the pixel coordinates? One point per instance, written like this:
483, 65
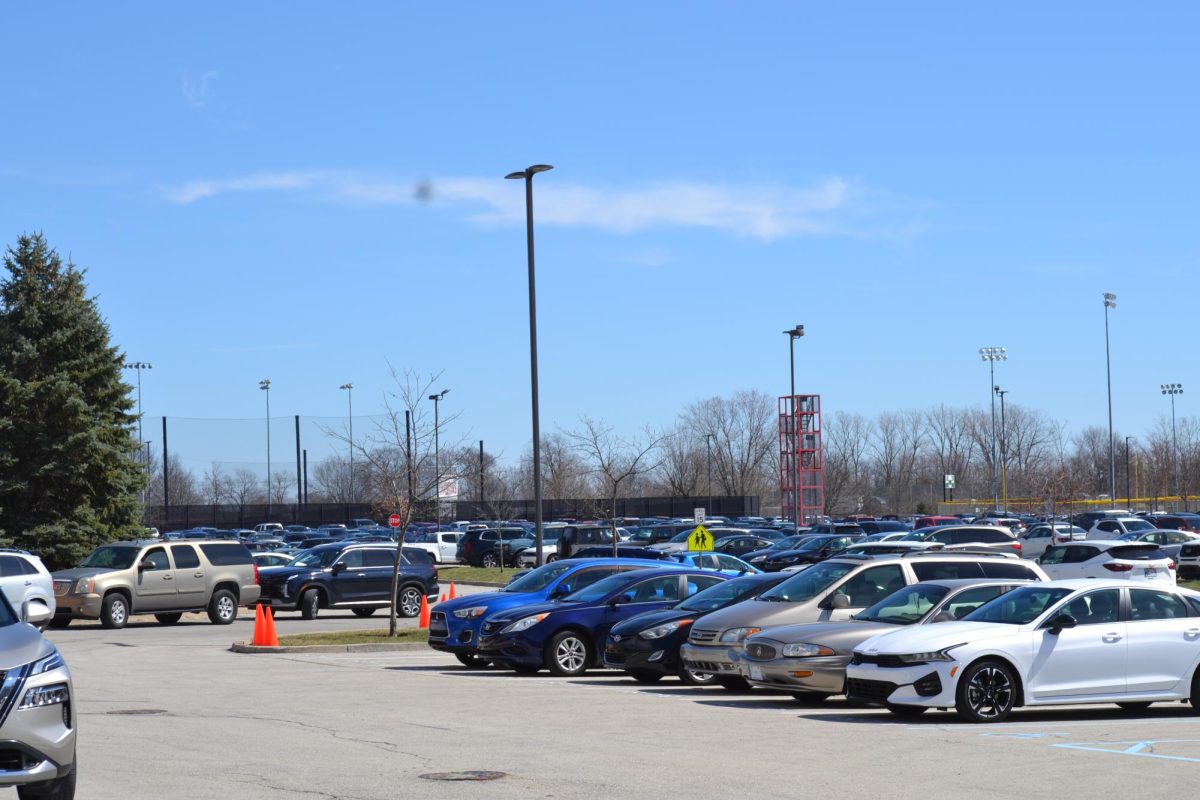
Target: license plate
756, 673
1150, 572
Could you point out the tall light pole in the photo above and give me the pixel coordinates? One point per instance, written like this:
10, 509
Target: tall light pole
349, 387
992, 355
527, 175
1003, 447
1173, 389
1128, 439
1110, 301
437, 467
265, 385
139, 366
708, 450
794, 334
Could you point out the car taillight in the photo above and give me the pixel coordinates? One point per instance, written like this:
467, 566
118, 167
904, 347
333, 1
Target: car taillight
256, 573
1171, 566
1016, 545
1112, 567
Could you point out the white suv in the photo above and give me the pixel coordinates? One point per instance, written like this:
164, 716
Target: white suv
1095, 559
25, 581
1112, 527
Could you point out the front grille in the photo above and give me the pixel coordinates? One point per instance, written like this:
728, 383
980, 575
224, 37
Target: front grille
61, 588
760, 652
928, 686
885, 661
437, 622
702, 636
492, 627
869, 691
1189, 551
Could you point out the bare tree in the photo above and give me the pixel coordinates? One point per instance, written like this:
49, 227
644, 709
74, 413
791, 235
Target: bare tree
183, 483
745, 431
683, 471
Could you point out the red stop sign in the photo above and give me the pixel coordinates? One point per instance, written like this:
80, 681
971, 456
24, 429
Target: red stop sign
394, 520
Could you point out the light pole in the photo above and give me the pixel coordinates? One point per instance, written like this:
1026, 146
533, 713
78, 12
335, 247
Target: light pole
794, 334
1003, 448
437, 467
708, 450
139, 366
527, 175
265, 385
1128, 439
992, 355
1173, 389
349, 387
1110, 301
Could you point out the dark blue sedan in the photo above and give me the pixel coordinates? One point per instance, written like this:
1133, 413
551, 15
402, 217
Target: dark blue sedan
566, 636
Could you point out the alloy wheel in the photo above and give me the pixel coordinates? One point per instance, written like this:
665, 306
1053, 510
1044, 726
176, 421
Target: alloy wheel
410, 602
571, 654
990, 692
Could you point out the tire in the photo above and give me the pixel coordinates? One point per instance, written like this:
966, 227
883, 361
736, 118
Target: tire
809, 698
363, 612
114, 612
525, 669
907, 711
169, 619
58, 789
310, 604
987, 692
550, 559
1195, 696
568, 654
471, 660
1134, 707
733, 684
408, 603
695, 678
489, 561
222, 607
59, 622
642, 676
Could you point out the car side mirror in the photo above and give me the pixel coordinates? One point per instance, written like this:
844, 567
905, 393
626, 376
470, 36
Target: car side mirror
561, 590
1060, 622
619, 600
338, 568
943, 616
836, 601
37, 613
144, 565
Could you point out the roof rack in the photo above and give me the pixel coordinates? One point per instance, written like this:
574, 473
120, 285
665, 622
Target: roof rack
960, 552
15, 550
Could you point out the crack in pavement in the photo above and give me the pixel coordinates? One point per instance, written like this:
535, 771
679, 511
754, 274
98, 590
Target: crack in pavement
390, 747
261, 780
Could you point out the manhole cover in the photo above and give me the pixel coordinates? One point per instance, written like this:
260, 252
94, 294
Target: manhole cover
137, 712
469, 775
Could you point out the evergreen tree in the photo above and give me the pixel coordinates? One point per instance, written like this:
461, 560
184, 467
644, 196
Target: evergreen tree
68, 479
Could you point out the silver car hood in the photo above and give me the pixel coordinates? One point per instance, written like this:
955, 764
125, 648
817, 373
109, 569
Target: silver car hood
20, 644
841, 636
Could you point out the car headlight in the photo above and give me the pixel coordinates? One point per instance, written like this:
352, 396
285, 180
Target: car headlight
474, 612
758, 559
526, 623
806, 650
84, 586
659, 631
925, 658
738, 634
47, 663
46, 695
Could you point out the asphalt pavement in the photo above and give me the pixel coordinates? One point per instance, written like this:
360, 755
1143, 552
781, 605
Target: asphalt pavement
169, 711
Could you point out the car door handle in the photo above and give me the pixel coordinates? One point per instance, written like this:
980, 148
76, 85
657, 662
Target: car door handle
1112, 637
29, 583
197, 574
168, 577
1191, 633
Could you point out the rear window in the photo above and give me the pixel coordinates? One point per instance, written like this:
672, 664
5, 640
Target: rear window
1009, 569
225, 555
989, 536
1138, 552
946, 570
416, 555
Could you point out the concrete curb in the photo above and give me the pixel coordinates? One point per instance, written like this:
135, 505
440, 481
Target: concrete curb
242, 647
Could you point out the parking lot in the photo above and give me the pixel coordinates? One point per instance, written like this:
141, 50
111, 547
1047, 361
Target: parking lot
169, 711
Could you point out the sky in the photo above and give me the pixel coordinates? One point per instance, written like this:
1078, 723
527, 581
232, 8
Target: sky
314, 193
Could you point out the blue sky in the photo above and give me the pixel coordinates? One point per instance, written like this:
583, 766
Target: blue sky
909, 182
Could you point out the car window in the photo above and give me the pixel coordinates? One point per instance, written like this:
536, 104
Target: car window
351, 559
946, 570
1095, 608
1054, 555
1175, 537
1008, 569
379, 557
10, 566
728, 562
1108, 527
905, 606
1145, 604
227, 554
185, 556
872, 585
586, 577
1079, 553
968, 600
655, 590
698, 583
1018, 607
156, 559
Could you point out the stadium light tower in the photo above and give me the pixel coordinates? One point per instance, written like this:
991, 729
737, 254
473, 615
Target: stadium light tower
992, 355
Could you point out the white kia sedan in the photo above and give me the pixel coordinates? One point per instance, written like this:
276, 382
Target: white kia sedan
1056, 643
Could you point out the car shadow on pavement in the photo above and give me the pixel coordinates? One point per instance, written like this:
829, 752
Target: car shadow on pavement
877, 716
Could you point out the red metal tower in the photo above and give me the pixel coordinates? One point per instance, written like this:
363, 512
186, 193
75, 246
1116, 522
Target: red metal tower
801, 463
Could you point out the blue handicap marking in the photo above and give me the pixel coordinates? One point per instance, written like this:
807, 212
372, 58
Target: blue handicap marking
1137, 748
1022, 735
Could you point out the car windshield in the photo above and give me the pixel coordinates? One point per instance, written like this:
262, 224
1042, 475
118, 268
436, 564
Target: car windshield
1018, 607
316, 558
808, 584
815, 543
1135, 526
537, 579
599, 590
905, 606
788, 543
515, 534
682, 536
111, 557
719, 596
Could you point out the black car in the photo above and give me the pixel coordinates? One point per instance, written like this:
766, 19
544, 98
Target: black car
350, 575
492, 547
757, 557
873, 526
738, 544
810, 551
647, 646
606, 551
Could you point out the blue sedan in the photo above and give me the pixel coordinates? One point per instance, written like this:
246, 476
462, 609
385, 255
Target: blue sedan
454, 625
566, 636
718, 562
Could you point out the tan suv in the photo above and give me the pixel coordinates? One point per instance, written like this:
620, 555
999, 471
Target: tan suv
165, 579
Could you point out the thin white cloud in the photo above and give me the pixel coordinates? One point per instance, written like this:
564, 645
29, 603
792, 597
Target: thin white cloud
196, 90
832, 206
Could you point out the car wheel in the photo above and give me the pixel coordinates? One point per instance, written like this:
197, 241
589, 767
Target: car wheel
1133, 706
114, 613
568, 654
907, 711
363, 612
525, 669
409, 602
59, 621
643, 676
732, 683
809, 698
987, 692
310, 604
696, 678
168, 619
58, 789
471, 660
489, 561
222, 608
551, 558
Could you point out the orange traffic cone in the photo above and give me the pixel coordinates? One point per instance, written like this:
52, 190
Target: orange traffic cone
453, 594
442, 599
423, 619
259, 633
270, 639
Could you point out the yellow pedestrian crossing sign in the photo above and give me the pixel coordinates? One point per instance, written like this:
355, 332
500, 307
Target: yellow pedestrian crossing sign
700, 539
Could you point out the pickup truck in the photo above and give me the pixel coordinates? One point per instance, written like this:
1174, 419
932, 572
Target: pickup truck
442, 545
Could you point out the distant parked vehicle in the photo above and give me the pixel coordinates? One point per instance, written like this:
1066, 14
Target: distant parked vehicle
1109, 529
1039, 537
1099, 559
26, 583
270, 559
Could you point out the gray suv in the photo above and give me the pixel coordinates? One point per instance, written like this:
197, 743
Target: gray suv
165, 579
37, 712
